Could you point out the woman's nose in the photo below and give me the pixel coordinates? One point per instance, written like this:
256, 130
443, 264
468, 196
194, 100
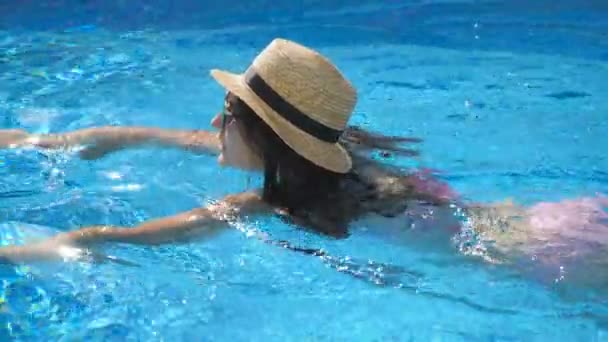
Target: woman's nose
217, 121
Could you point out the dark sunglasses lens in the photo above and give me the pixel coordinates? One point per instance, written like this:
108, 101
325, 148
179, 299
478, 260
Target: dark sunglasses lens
226, 119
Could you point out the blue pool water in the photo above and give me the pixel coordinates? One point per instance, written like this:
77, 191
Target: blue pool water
509, 97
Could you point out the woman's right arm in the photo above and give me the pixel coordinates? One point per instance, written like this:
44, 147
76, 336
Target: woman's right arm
197, 223
99, 141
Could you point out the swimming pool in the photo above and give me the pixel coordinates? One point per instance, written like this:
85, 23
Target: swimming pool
508, 97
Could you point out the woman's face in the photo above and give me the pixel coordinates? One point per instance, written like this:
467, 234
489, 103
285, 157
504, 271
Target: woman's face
234, 150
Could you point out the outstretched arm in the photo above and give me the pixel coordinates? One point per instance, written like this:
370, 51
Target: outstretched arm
99, 141
196, 223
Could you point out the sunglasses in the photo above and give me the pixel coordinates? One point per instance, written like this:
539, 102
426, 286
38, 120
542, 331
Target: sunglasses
227, 118
228, 113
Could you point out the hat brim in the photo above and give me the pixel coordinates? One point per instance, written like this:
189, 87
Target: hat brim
331, 156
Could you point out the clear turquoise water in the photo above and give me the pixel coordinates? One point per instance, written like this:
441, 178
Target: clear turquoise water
509, 98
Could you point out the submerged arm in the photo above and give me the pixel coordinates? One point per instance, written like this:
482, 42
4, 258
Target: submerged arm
196, 223
99, 141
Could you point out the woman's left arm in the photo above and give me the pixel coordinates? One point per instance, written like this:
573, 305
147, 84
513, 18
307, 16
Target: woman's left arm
197, 223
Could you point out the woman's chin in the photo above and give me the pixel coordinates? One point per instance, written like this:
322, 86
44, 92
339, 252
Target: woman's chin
221, 160
245, 165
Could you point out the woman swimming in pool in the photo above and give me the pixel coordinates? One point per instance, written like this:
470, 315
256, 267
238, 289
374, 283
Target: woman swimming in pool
287, 117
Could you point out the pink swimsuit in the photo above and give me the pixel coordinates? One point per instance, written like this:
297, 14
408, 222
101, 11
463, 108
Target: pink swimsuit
425, 182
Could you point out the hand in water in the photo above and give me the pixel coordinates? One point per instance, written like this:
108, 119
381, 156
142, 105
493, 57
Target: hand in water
95, 142
10, 137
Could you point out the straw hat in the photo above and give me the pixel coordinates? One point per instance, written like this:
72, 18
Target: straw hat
302, 96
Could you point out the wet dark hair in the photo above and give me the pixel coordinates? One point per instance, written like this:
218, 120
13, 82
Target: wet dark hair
314, 197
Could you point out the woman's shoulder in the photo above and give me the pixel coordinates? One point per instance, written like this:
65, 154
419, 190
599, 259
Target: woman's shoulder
390, 182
